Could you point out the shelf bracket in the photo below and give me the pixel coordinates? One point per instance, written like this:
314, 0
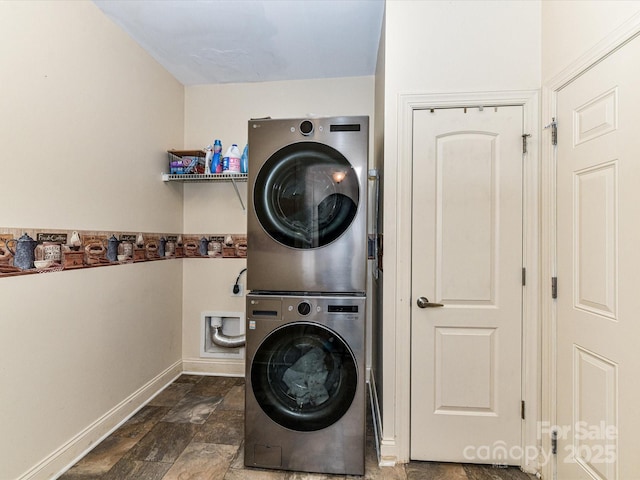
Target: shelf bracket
209, 177
235, 187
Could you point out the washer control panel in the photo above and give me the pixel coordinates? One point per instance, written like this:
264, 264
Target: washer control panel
261, 308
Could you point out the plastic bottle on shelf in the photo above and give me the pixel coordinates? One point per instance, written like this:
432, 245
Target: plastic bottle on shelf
225, 160
216, 161
231, 160
244, 160
207, 159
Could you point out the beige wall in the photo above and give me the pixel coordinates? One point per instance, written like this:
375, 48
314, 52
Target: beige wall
86, 117
464, 45
437, 47
222, 111
570, 29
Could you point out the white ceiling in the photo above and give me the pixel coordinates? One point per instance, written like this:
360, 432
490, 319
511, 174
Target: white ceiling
237, 41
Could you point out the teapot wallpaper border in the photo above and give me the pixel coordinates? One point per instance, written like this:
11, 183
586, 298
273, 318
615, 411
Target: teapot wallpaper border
25, 251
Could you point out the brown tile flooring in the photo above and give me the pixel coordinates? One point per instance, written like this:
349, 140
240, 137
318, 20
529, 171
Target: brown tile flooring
193, 430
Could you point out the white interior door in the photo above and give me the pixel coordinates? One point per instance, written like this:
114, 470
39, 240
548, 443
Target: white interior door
467, 256
598, 262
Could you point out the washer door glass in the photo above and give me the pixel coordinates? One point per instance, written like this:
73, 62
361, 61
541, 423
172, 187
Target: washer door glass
304, 376
306, 195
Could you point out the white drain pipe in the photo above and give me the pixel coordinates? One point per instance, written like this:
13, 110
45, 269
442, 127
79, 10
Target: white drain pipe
222, 340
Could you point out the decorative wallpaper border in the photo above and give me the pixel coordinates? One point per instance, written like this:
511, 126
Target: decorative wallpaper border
24, 251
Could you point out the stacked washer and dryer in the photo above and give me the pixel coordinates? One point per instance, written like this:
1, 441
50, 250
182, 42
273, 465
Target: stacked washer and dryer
306, 272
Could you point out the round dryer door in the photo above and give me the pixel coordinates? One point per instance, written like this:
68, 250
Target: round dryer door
304, 376
306, 195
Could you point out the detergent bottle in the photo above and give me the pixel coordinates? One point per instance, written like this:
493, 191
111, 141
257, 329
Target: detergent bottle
232, 159
244, 160
216, 160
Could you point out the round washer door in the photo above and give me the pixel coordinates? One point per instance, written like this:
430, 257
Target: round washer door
304, 376
306, 195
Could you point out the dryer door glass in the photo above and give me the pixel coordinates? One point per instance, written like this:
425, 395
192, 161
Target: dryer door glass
304, 376
306, 195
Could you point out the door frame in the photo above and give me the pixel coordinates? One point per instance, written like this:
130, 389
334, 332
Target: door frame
407, 104
548, 202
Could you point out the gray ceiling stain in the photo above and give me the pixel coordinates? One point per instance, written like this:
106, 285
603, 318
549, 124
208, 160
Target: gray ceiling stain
238, 41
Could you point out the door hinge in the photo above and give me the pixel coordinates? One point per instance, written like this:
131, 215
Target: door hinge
554, 131
524, 276
524, 142
554, 441
522, 409
554, 287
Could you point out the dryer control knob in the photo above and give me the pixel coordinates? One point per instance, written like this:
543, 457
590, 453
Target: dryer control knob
304, 308
306, 127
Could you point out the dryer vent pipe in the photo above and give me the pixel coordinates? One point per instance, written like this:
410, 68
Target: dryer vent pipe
222, 340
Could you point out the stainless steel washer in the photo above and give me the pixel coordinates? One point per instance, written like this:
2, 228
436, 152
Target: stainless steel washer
306, 221
305, 385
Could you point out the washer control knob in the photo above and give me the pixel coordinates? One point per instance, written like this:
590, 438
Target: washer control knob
304, 308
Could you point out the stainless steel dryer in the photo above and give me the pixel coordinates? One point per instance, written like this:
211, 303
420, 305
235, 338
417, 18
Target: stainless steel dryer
307, 197
305, 385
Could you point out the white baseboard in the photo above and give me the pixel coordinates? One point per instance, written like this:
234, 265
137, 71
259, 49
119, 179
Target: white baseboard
224, 367
69, 453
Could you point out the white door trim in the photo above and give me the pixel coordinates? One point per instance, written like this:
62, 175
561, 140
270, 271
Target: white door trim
615, 40
531, 374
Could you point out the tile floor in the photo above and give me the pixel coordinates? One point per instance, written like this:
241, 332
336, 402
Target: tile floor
193, 430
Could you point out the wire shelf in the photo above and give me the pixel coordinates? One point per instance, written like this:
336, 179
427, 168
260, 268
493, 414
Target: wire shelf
204, 177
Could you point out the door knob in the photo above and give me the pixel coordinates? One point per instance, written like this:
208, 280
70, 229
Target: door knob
423, 302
